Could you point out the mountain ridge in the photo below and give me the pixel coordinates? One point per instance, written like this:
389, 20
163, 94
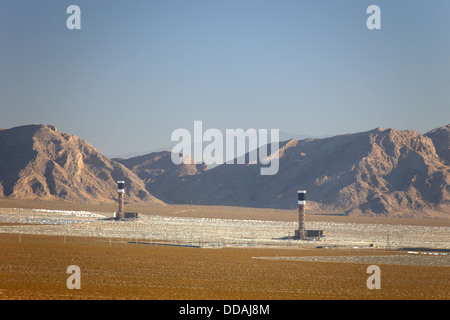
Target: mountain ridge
50, 165
376, 172
379, 171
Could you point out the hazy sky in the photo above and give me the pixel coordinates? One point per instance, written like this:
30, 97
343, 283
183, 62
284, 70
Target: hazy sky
137, 70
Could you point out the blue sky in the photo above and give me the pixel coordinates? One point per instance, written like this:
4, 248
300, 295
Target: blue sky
137, 70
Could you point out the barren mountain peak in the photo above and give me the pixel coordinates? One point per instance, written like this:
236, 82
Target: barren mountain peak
38, 162
441, 140
381, 171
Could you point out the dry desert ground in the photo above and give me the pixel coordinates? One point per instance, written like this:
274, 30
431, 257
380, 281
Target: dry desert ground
208, 253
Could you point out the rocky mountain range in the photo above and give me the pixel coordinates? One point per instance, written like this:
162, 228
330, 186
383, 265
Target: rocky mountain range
38, 162
378, 172
161, 176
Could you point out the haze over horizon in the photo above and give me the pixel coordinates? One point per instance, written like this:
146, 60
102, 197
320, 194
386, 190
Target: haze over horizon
138, 70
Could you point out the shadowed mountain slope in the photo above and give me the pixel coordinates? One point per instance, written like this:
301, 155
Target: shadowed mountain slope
378, 172
38, 162
374, 172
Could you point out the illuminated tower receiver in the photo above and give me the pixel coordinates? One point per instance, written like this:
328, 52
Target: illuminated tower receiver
120, 191
301, 232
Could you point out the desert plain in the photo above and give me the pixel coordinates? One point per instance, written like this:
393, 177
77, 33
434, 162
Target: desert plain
188, 252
